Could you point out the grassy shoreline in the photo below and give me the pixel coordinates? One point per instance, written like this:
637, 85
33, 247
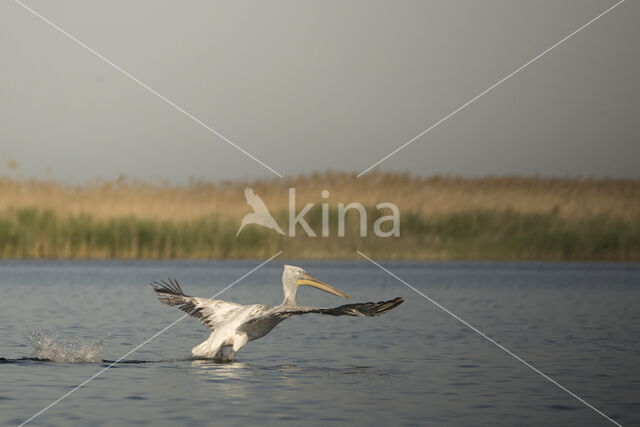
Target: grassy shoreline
441, 218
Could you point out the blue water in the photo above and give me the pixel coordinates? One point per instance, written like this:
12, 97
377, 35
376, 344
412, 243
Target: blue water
576, 322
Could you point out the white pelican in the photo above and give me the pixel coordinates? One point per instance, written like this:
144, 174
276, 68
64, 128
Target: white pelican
234, 325
260, 214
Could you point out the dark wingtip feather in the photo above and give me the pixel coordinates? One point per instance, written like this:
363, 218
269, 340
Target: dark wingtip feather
383, 307
171, 288
364, 309
171, 294
376, 309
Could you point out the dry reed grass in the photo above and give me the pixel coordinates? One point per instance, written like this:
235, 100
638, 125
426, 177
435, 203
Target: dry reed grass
514, 218
569, 198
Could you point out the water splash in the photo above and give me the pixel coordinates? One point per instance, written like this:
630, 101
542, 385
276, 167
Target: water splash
58, 349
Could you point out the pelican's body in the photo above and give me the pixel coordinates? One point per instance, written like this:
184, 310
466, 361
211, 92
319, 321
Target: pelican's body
234, 325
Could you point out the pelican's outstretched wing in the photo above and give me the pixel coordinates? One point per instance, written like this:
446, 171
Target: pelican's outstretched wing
211, 312
255, 201
368, 309
359, 309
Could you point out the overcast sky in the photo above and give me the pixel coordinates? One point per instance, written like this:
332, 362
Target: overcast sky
307, 86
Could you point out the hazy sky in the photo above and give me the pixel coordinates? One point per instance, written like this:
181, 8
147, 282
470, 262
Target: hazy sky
313, 85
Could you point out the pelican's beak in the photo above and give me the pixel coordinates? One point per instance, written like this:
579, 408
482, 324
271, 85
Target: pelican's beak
309, 280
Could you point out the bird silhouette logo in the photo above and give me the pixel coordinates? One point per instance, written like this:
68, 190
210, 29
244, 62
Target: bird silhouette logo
260, 214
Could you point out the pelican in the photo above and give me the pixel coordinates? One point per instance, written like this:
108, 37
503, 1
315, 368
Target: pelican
260, 214
234, 325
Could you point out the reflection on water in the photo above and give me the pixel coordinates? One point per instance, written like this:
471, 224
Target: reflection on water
236, 370
414, 365
231, 377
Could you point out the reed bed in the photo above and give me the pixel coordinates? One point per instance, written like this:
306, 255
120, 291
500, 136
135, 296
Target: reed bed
506, 218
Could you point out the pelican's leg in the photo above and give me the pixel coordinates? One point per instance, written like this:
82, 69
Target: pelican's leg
219, 354
239, 341
210, 349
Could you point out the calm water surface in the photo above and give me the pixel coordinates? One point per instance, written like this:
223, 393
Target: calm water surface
415, 365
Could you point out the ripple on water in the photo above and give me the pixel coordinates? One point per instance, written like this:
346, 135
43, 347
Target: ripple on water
562, 407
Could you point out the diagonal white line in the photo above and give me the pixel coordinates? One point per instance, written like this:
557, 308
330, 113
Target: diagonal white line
164, 98
490, 88
140, 345
510, 353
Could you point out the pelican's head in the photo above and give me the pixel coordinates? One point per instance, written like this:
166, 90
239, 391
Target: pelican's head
293, 277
